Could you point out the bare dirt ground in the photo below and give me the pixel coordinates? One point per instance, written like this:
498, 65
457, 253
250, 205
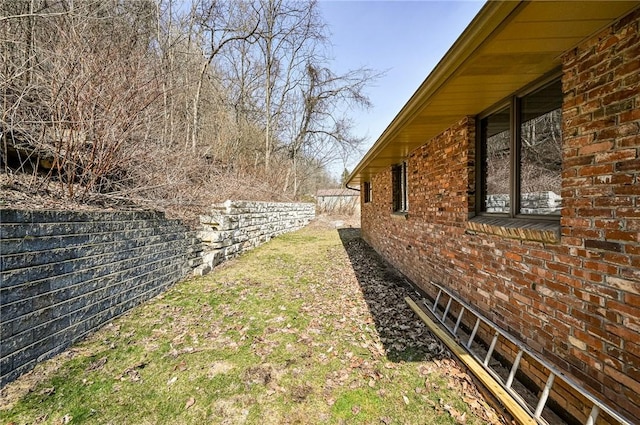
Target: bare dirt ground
21, 191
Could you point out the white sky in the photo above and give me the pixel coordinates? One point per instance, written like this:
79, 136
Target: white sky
405, 38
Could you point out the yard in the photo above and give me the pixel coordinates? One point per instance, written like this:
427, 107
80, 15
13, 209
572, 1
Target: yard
309, 328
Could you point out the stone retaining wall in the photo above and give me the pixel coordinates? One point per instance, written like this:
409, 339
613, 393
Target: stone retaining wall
64, 274
236, 226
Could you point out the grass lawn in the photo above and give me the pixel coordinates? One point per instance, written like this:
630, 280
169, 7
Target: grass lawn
307, 329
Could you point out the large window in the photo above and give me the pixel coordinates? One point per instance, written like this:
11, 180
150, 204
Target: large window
521, 155
399, 183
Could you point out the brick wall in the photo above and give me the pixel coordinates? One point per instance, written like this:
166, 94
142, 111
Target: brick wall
601, 214
64, 274
576, 301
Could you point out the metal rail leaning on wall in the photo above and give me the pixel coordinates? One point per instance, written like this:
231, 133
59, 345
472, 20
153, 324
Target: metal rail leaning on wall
598, 405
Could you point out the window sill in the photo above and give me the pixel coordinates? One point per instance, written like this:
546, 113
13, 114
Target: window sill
400, 215
516, 228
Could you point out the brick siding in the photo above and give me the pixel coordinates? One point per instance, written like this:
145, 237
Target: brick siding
576, 301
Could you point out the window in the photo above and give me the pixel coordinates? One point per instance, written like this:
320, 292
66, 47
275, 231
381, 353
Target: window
368, 192
399, 183
521, 155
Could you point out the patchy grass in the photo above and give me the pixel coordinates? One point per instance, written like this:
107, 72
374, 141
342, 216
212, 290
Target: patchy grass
291, 332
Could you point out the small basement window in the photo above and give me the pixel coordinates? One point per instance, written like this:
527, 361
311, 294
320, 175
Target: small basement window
399, 186
367, 192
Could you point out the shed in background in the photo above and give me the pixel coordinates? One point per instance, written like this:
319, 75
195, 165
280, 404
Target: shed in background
338, 201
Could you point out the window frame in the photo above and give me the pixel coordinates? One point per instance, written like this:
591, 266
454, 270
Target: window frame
514, 103
367, 192
399, 183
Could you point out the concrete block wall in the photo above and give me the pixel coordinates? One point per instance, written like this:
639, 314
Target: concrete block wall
64, 274
236, 226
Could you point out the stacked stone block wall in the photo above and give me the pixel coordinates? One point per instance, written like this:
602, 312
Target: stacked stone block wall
64, 274
236, 226
575, 298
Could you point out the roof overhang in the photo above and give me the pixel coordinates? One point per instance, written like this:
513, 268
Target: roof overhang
508, 45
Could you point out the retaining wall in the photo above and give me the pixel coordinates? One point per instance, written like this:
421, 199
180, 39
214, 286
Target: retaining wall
64, 274
530, 203
236, 226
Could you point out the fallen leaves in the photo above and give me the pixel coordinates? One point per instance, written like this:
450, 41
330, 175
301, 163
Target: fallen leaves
185, 350
97, 365
190, 403
181, 367
299, 393
459, 381
132, 373
458, 416
324, 339
260, 374
47, 391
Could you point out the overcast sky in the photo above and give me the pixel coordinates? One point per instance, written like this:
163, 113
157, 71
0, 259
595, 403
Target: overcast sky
405, 38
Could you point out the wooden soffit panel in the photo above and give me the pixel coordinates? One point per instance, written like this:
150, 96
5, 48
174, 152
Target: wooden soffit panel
507, 46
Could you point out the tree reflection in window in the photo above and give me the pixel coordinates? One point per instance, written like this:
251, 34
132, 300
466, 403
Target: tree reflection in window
541, 149
534, 146
497, 159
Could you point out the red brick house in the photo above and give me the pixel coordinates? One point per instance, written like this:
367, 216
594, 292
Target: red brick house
512, 178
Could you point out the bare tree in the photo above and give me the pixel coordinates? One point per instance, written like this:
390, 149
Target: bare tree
78, 108
173, 103
221, 23
318, 125
290, 34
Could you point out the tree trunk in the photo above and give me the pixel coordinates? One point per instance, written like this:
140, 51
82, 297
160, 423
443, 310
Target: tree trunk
286, 181
196, 106
295, 177
267, 111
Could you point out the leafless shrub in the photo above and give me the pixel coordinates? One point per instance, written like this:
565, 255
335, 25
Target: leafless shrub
151, 102
82, 111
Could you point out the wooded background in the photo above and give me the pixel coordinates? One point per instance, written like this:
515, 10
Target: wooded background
173, 102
